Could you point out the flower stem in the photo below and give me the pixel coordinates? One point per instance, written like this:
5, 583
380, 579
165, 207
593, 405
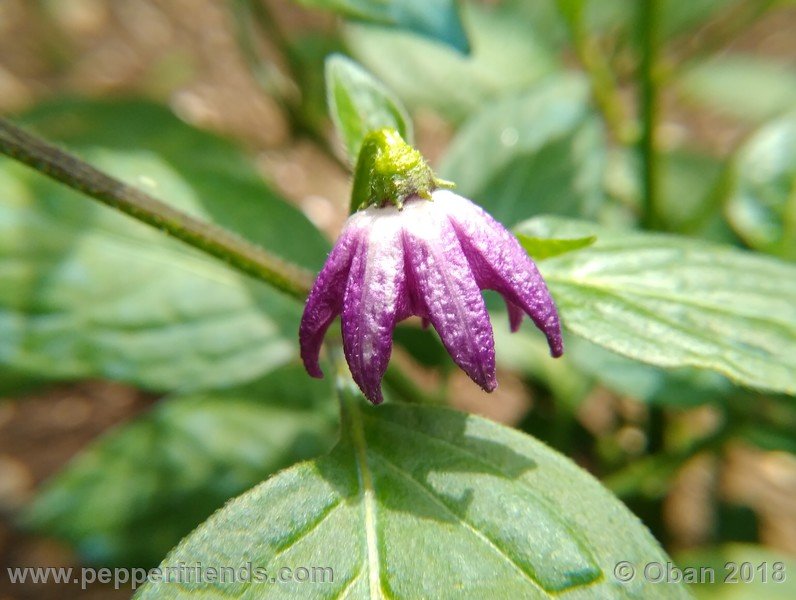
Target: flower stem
649, 107
207, 237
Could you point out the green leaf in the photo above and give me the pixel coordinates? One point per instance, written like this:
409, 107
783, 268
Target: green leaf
720, 561
420, 502
129, 497
677, 302
761, 195
540, 152
359, 104
508, 56
88, 292
541, 248
633, 379
435, 19
743, 86
688, 188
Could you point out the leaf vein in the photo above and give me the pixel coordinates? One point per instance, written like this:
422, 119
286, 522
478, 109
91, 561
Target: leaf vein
303, 533
466, 524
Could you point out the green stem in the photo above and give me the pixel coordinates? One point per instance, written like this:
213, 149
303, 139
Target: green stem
649, 108
217, 241
603, 83
281, 86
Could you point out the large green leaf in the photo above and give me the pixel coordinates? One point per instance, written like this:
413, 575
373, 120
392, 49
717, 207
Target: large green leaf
676, 302
540, 152
435, 19
85, 291
359, 104
507, 55
761, 194
426, 503
129, 497
744, 86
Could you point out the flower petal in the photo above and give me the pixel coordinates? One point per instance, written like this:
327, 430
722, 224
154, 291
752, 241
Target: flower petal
325, 301
499, 263
375, 299
447, 292
515, 316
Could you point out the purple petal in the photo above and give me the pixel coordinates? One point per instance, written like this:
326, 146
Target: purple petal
375, 299
448, 293
500, 263
515, 316
325, 301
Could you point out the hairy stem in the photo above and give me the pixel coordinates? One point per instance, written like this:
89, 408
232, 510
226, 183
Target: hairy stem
217, 241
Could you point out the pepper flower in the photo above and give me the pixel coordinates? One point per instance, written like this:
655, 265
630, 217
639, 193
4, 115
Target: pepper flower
418, 250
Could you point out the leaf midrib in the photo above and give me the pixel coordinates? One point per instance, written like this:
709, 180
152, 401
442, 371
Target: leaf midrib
530, 577
367, 496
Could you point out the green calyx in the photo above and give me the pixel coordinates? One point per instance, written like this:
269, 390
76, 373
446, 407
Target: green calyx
389, 171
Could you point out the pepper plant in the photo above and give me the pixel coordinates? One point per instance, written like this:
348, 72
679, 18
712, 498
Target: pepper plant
552, 192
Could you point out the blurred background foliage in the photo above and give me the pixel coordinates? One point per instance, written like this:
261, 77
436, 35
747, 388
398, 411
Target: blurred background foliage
134, 406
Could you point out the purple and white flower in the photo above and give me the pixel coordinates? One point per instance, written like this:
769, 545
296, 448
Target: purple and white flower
430, 259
